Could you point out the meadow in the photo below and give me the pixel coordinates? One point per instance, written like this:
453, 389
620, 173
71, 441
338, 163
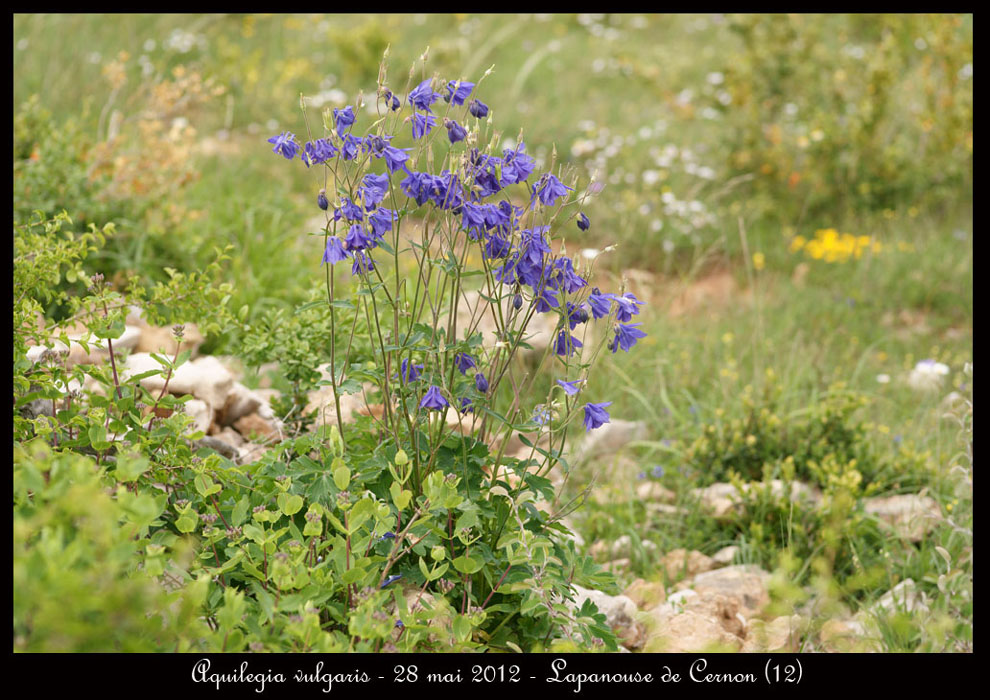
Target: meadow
791, 195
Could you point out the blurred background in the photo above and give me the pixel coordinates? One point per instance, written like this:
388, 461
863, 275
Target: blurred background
792, 194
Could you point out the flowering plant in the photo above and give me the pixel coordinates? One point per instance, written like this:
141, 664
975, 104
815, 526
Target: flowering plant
408, 223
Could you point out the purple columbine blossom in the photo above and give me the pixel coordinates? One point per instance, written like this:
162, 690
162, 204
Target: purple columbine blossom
464, 362
351, 211
516, 165
595, 415
566, 344
321, 200
335, 251
285, 144
478, 108
357, 239
351, 147
422, 124
481, 383
570, 388
576, 315
410, 372
583, 222
318, 151
466, 406
362, 263
422, 96
627, 306
381, 221
433, 399
390, 580
458, 93
601, 304
343, 119
626, 336
395, 158
373, 190
549, 189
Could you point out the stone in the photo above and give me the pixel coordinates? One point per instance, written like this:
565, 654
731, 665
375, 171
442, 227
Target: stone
475, 314
681, 563
781, 634
904, 597
609, 438
205, 378
646, 595
202, 415
723, 499
725, 556
249, 453
617, 566
321, 400
689, 631
240, 402
667, 510
96, 350
745, 583
253, 425
911, 516
655, 491
230, 436
620, 613
847, 636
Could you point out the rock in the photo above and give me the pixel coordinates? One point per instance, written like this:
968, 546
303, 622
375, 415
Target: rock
248, 453
254, 425
909, 515
745, 583
608, 438
689, 631
230, 436
904, 597
201, 413
723, 499
321, 401
655, 491
646, 595
205, 378
781, 634
240, 402
680, 599
161, 340
619, 611
622, 546
667, 509
846, 636
681, 563
617, 566
725, 556
217, 445
475, 314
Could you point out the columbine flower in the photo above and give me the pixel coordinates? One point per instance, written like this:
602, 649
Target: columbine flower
373, 190
362, 263
595, 415
601, 304
458, 95
422, 124
433, 399
517, 302
357, 239
422, 96
566, 344
549, 189
390, 580
391, 101
626, 336
455, 132
570, 388
395, 158
387, 536
321, 200
410, 372
343, 118
478, 108
318, 151
627, 306
657, 471
481, 383
463, 362
542, 415
351, 211
335, 251
576, 315
583, 222
466, 405
285, 143
351, 148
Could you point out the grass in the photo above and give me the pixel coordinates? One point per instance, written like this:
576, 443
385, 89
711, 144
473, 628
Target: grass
606, 93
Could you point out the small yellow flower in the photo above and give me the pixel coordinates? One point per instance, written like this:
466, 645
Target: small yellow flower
759, 261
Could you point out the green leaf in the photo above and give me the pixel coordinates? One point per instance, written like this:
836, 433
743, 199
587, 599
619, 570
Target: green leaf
341, 474
130, 467
467, 565
290, 503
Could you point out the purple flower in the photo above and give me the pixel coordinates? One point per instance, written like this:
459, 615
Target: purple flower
478, 108
576, 315
516, 165
595, 415
657, 471
466, 405
422, 96
549, 189
583, 222
387, 536
455, 132
285, 143
517, 302
357, 239
422, 124
351, 211
391, 101
566, 344
321, 200
601, 304
464, 362
381, 221
318, 151
627, 306
496, 247
433, 399
546, 300
343, 118
395, 158
480, 382
626, 336
419, 186
541, 415
351, 147
373, 190
362, 263
390, 580
570, 388
335, 251
410, 372
457, 93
